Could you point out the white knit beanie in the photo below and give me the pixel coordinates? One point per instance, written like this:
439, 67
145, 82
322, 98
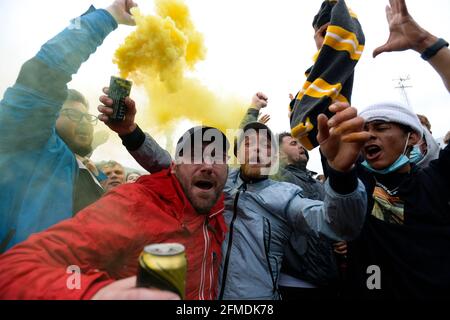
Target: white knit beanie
392, 112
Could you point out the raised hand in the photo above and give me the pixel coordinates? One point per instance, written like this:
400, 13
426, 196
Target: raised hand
264, 119
120, 10
342, 137
404, 32
259, 100
124, 127
319, 35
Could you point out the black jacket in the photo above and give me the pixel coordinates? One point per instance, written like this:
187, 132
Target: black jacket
413, 257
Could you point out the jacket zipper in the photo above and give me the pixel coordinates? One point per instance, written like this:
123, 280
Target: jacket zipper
230, 242
267, 250
211, 276
204, 262
208, 242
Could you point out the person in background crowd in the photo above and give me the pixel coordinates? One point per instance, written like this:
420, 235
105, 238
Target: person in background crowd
425, 122
115, 174
132, 177
447, 138
309, 260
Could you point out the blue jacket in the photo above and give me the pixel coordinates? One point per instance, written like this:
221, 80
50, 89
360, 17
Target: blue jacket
37, 168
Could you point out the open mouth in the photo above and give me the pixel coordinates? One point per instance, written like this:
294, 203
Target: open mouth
83, 133
372, 152
204, 185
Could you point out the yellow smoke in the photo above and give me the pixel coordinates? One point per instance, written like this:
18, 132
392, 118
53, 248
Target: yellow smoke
157, 56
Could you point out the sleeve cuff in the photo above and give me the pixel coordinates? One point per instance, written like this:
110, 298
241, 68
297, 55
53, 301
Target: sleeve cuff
134, 140
108, 18
342, 182
253, 112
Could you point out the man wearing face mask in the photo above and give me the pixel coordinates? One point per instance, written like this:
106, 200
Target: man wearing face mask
408, 221
402, 251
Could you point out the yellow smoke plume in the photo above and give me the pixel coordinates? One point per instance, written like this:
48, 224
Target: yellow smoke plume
157, 56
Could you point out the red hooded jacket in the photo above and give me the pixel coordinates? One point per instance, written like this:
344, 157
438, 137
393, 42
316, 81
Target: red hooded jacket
105, 239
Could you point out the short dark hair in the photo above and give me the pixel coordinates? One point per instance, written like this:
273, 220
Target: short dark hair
424, 121
447, 138
283, 135
76, 96
188, 139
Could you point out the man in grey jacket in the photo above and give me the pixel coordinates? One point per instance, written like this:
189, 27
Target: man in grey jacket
310, 267
262, 213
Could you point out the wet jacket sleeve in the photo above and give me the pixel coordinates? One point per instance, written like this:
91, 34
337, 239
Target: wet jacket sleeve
29, 109
251, 116
96, 241
340, 216
146, 151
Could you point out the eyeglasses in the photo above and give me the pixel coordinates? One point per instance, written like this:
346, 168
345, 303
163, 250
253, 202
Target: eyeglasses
78, 116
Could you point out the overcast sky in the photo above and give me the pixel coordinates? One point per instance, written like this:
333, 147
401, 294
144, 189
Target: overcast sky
253, 45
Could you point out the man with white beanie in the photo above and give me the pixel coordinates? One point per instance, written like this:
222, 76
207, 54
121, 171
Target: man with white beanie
399, 130
406, 235
403, 249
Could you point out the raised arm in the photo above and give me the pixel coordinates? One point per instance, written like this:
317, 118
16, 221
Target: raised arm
144, 149
259, 101
341, 215
406, 34
29, 109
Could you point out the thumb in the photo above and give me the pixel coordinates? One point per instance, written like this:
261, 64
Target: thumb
381, 49
322, 128
130, 4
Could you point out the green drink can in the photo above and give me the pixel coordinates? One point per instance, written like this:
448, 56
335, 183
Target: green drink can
163, 266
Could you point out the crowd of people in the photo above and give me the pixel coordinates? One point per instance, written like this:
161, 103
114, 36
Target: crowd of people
266, 228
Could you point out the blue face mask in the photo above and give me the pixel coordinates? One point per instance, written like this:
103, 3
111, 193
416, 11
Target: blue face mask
416, 155
400, 162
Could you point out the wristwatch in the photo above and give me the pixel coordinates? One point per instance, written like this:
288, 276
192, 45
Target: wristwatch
433, 49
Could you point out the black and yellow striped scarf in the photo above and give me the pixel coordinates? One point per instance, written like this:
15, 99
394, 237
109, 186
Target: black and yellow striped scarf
330, 79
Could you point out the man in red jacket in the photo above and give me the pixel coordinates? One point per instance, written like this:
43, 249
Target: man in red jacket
95, 254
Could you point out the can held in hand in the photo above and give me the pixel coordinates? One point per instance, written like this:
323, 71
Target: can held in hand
163, 266
119, 89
